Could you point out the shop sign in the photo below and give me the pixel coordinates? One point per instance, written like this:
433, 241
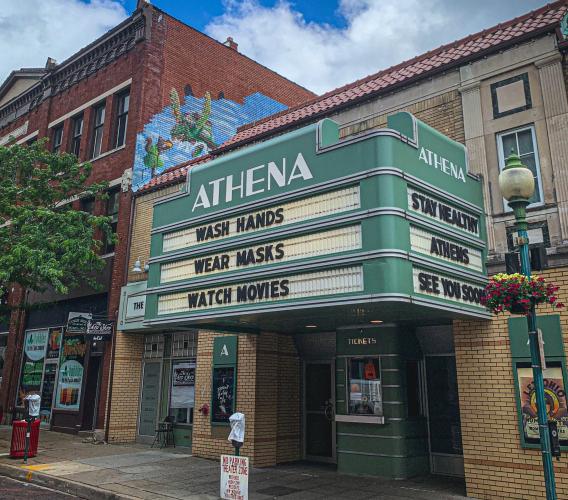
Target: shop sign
556, 404
100, 330
445, 248
276, 251
234, 477
446, 287
225, 350
330, 282
77, 322
255, 180
136, 306
321, 205
35, 343
436, 209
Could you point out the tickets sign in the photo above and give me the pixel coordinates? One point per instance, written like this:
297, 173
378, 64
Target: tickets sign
234, 477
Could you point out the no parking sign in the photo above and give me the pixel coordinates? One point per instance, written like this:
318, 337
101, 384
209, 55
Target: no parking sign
234, 477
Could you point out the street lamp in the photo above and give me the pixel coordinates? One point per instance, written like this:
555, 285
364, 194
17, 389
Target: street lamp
516, 183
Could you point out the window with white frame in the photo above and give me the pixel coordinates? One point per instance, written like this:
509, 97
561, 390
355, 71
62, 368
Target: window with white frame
522, 141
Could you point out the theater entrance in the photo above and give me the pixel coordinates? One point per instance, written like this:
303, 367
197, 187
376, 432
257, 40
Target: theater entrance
319, 411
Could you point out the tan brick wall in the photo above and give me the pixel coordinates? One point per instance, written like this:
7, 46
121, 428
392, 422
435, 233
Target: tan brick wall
268, 393
443, 112
127, 376
495, 464
141, 228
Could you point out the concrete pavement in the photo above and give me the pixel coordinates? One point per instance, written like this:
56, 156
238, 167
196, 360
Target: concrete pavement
100, 471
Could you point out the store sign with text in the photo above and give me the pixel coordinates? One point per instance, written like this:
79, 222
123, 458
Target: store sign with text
99, 330
234, 477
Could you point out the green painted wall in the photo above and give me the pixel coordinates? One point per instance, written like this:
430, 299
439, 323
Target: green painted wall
399, 447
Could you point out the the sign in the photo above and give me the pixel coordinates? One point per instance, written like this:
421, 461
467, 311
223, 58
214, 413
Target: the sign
34, 344
77, 322
223, 394
277, 251
441, 211
234, 477
225, 350
100, 330
136, 306
336, 281
445, 248
555, 398
321, 205
447, 287
32, 363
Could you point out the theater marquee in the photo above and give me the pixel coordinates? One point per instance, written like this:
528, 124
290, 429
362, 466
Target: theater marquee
389, 225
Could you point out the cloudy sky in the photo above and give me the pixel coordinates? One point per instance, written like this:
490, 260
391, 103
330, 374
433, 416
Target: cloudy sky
320, 44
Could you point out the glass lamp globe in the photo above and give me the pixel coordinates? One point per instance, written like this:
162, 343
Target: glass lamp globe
516, 181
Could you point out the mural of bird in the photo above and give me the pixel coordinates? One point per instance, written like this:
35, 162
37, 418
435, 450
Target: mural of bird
195, 126
152, 159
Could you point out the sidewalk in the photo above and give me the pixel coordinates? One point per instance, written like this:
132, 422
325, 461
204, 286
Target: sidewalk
100, 471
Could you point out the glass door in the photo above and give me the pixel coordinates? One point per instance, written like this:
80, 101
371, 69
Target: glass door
319, 411
444, 425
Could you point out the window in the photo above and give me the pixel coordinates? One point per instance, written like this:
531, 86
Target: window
77, 132
88, 205
112, 212
522, 141
122, 118
56, 138
98, 124
365, 395
182, 393
511, 95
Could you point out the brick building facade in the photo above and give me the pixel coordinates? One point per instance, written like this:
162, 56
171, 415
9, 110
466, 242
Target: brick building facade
98, 104
503, 87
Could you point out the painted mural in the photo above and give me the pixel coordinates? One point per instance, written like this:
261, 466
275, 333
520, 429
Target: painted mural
190, 129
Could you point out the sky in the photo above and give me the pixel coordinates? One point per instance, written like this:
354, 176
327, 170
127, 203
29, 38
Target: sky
320, 44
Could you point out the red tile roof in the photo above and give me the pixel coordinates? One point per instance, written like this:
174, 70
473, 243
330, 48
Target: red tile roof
472, 47
172, 175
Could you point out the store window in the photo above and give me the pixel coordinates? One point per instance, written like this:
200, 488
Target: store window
365, 394
77, 134
123, 104
98, 124
522, 142
182, 392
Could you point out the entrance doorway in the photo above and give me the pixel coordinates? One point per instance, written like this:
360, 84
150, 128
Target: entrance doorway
91, 397
444, 426
319, 411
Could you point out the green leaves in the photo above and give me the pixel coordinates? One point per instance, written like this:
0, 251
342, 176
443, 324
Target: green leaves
42, 242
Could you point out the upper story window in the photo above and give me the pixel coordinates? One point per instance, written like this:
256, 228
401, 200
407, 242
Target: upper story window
522, 141
123, 103
88, 205
77, 132
112, 212
56, 138
97, 134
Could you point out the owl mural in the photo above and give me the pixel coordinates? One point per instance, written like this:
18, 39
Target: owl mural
188, 129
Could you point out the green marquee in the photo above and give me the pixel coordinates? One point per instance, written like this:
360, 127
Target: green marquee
307, 230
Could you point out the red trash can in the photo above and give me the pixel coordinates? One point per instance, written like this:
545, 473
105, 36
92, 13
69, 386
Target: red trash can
18, 445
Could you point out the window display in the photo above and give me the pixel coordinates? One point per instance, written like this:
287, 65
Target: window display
182, 396
365, 395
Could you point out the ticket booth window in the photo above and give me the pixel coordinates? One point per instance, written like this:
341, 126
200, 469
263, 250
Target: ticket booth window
365, 394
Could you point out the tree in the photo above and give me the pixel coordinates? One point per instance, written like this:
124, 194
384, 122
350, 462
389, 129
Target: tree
43, 242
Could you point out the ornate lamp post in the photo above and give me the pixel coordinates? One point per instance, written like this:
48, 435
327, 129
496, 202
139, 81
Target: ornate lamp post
516, 183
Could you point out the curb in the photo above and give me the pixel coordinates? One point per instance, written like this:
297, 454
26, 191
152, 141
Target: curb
63, 485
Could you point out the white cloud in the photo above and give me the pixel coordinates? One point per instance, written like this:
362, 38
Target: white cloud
33, 30
376, 34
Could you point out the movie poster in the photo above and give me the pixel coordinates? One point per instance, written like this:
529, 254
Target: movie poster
556, 405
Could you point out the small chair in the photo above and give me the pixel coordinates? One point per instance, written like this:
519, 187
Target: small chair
165, 433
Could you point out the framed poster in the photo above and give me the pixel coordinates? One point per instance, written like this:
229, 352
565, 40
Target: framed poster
223, 394
70, 378
182, 394
555, 397
54, 342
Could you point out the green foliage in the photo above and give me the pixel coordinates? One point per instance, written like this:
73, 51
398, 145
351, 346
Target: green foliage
43, 243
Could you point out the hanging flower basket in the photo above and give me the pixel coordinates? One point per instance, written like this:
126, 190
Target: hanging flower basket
515, 293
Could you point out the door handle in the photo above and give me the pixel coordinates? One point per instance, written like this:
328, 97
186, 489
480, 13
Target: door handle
329, 410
